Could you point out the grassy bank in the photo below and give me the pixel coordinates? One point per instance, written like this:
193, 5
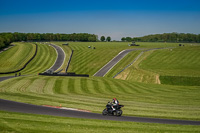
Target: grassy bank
181, 61
88, 60
44, 59
16, 57
175, 62
18, 122
149, 100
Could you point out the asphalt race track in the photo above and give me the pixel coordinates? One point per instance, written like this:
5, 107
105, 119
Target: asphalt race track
5, 78
113, 62
60, 57
12, 106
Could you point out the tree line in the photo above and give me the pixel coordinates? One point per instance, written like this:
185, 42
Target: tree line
108, 39
166, 37
7, 38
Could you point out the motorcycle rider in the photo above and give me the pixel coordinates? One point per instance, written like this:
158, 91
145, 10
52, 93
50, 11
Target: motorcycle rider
115, 103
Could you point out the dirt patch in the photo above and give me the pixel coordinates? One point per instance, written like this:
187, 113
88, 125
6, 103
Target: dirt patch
123, 75
157, 79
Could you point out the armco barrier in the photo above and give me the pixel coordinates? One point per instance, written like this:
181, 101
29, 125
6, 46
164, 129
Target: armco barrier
65, 74
69, 61
24, 65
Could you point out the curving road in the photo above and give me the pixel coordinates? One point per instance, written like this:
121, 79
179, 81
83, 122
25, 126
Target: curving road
60, 57
5, 78
7, 105
105, 69
113, 62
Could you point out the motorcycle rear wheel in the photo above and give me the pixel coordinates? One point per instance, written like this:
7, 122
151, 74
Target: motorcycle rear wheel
119, 112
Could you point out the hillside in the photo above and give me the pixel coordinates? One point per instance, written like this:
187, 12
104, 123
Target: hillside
139, 90
174, 63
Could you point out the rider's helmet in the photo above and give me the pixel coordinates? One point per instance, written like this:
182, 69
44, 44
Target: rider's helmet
114, 99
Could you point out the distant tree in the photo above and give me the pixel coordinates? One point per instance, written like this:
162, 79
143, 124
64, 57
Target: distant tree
128, 39
1, 42
198, 38
123, 39
102, 38
108, 39
92, 39
169, 37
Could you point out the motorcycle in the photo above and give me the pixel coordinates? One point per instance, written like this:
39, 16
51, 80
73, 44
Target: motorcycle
109, 111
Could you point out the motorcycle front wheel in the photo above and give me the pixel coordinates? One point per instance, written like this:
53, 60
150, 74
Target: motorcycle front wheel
105, 112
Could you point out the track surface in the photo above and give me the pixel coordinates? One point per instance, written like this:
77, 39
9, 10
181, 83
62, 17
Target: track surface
113, 62
7, 105
5, 78
60, 58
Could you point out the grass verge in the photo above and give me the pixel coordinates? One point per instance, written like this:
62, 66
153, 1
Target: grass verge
18, 122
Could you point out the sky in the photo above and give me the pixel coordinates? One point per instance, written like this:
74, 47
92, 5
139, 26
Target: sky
114, 18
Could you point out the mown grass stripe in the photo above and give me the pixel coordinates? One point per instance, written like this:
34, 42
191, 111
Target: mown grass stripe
71, 87
64, 89
121, 87
96, 86
15, 58
77, 86
9, 85
84, 85
22, 86
176, 62
108, 87
57, 86
49, 87
43, 60
37, 86
35, 61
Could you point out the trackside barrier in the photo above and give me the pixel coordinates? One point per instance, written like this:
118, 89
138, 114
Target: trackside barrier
69, 60
65, 74
25, 64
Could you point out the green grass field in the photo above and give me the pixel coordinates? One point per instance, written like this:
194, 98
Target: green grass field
88, 60
44, 59
18, 122
139, 90
180, 80
16, 57
176, 62
135, 73
149, 100
181, 61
